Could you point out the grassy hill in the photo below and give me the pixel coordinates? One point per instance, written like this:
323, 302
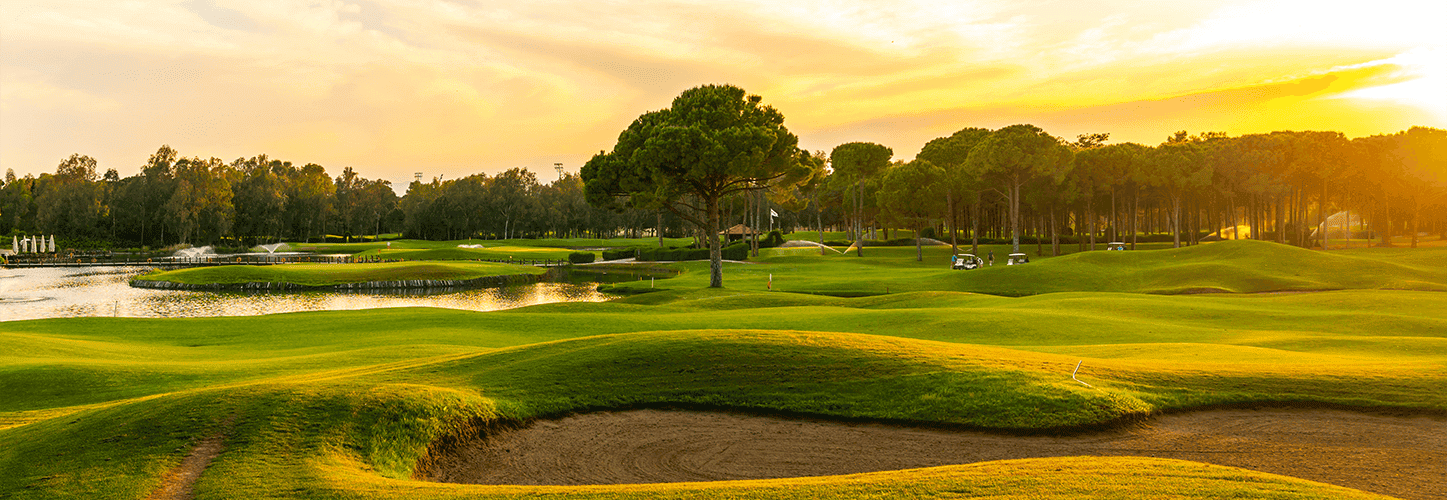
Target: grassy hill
344, 404
340, 403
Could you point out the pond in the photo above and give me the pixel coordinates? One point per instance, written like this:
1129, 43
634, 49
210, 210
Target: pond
103, 291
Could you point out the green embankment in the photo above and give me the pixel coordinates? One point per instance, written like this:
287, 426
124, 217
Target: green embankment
333, 274
343, 404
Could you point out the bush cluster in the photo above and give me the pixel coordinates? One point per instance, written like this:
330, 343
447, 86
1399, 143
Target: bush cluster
621, 253
736, 251
581, 257
773, 239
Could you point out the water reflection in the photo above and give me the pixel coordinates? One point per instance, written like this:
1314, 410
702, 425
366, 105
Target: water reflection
103, 291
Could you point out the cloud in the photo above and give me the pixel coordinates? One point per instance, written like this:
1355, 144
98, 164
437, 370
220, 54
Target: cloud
22, 88
1308, 102
456, 86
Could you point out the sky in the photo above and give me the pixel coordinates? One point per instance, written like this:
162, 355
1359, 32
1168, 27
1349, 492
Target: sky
454, 88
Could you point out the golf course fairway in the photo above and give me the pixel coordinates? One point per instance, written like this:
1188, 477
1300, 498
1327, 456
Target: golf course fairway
353, 404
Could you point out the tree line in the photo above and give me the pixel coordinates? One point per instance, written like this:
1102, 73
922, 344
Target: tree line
1282, 186
175, 199
249, 201
719, 157
717, 144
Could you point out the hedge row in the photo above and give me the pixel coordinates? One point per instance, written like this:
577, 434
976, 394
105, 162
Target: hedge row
581, 257
736, 251
622, 253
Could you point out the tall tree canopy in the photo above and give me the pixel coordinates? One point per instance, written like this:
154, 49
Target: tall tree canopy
715, 140
950, 153
911, 195
858, 162
1013, 156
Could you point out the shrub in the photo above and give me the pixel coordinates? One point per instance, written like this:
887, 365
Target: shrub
621, 253
773, 239
928, 232
736, 251
581, 257
670, 253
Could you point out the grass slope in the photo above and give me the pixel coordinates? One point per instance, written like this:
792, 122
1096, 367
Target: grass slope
335, 404
332, 274
343, 404
1231, 266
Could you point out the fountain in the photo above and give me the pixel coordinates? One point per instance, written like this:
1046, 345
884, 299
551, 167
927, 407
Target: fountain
195, 253
272, 248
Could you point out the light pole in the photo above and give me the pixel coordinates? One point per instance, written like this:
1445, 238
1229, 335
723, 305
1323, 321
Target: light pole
559, 168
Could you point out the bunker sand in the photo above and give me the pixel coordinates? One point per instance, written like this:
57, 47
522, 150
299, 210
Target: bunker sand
1399, 456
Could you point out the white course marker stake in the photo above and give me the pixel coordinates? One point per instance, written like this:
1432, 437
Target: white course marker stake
1077, 370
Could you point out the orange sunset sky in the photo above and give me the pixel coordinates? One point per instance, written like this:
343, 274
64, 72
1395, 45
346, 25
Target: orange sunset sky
451, 88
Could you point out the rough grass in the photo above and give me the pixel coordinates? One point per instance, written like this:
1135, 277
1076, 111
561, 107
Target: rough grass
332, 274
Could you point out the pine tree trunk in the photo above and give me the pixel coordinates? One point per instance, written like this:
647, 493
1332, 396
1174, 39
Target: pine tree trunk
1134, 208
1176, 219
950, 205
975, 228
1054, 235
1015, 217
859, 218
715, 255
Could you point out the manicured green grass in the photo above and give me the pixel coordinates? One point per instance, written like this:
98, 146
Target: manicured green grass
507, 253
332, 274
1230, 266
553, 244
343, 404
299, 381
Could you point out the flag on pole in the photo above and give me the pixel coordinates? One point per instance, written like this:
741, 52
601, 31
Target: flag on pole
772, 213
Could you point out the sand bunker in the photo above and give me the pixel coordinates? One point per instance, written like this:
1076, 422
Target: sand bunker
1399, 456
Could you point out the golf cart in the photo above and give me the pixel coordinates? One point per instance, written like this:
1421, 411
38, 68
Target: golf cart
966, 261
1016, 259
1115, 245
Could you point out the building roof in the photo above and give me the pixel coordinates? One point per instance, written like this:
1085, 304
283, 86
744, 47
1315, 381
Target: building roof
738, 229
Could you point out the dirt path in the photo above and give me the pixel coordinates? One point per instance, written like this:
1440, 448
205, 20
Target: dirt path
1399, 456
177, 483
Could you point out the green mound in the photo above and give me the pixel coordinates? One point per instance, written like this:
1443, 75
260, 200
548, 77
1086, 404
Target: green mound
332, 274
840, 375
344, 404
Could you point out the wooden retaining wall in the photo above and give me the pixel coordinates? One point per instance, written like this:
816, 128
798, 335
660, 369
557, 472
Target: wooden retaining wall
483, 282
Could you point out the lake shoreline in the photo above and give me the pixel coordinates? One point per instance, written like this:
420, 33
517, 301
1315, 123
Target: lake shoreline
480, 282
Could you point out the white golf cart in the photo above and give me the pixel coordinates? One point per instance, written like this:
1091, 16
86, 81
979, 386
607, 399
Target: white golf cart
966, 261
1115, 245
1015, 259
